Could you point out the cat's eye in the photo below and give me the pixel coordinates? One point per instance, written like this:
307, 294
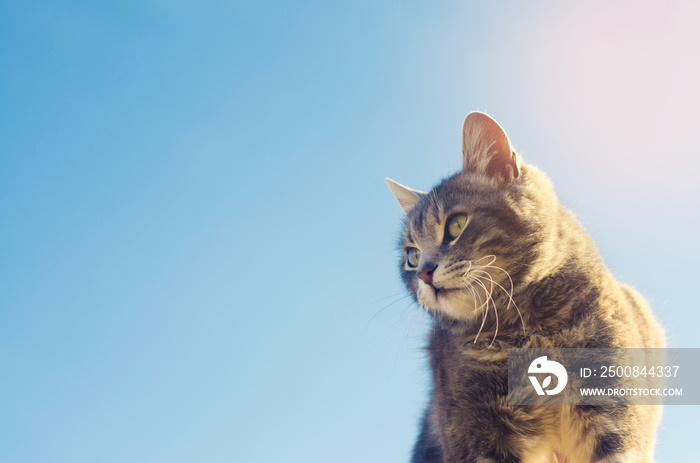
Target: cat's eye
412, 257
456, 225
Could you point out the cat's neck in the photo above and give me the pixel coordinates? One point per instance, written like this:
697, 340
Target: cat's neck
536, 307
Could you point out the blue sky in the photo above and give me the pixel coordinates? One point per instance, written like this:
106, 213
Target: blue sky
197, 254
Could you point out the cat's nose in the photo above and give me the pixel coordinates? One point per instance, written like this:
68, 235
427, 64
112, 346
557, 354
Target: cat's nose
426, 273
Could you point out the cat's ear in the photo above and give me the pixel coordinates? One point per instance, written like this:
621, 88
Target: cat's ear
407, 197
486, 148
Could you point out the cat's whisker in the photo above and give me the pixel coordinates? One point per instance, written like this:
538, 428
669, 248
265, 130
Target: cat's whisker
509, 294
472, 292
455, 265
481, 273
410, 325
485, 293
489, 256
501, 269
387, 297
369, 322
466, 272
512, 288
483, 315
405, 335
486, 312
478, 305
495, 309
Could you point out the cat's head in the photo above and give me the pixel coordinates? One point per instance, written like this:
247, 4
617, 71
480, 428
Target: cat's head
464, 241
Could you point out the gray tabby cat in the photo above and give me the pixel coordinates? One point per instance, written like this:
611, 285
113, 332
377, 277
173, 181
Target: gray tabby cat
500, 263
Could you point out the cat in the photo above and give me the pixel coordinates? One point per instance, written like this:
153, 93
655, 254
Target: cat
499, 263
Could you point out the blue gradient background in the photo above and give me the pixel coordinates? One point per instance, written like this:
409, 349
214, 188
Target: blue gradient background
197, 254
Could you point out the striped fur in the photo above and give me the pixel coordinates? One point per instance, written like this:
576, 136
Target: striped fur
523, 273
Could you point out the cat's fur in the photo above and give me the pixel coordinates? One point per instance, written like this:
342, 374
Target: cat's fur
519, 242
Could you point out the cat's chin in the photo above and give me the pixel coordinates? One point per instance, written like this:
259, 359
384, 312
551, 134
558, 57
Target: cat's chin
453, 303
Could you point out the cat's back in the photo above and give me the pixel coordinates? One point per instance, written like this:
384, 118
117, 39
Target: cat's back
635, 323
